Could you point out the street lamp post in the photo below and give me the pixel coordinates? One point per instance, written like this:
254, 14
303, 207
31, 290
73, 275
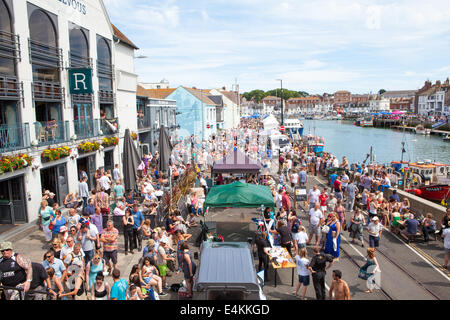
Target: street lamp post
282, 113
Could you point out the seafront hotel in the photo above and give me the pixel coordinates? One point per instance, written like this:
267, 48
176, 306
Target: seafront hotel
42, 42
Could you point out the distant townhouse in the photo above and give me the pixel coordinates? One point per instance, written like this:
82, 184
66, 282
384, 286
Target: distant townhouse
378, 103
154, 110
196, 112
341, 98
231, 106
432, 99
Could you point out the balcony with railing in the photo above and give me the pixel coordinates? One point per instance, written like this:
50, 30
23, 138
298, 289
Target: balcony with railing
144, 121
10, 88
9, 45
45, 55
52, 132
78, 61
47, 91
86, 128
14, 137
106, 96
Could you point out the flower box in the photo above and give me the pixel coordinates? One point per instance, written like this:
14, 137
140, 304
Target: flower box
12, 163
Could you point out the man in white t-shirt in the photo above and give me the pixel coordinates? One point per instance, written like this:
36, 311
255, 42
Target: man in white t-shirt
313, 196
344, 182
294, 179
315, 221
105, 183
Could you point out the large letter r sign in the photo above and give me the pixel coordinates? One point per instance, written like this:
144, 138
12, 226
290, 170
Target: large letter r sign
80, 77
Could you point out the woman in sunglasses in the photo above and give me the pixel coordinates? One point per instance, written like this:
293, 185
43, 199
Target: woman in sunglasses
100, 289
95, 266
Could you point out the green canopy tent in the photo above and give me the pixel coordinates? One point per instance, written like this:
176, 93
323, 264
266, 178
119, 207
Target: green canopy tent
239, 194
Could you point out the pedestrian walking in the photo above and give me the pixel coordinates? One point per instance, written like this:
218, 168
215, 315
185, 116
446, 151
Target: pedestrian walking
319, 266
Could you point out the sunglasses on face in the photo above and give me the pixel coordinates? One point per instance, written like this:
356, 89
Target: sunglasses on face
5, 250
47, 257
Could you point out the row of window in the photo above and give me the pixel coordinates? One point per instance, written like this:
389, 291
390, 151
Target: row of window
46, 57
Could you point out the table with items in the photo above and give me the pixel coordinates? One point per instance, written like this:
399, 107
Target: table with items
281, 259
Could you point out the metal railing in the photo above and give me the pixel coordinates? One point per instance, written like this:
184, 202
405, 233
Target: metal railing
86, 128
9, 45
144, 121
78, 61
45, 55
51, 132
105, 70
106, 96
10, 88
14, 137
47, 91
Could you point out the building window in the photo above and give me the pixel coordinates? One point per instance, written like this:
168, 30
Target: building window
7, 65
104, 64
45, 55
79, 47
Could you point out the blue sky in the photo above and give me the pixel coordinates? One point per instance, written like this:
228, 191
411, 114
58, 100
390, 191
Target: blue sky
315, 46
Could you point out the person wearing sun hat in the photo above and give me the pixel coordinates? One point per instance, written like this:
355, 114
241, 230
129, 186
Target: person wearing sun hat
375, 228
16, 270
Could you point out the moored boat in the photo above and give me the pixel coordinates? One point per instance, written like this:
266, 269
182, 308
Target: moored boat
420, 129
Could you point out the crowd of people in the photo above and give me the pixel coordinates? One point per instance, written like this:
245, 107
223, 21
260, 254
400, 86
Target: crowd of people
82, 232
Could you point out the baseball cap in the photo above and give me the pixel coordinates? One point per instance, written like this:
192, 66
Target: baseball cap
6, 245
375, 219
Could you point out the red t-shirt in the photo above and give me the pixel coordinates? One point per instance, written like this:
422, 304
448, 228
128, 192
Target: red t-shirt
337, 185
323, 198
285, 202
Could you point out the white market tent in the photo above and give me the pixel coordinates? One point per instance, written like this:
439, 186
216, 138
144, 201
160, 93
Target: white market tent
270, 123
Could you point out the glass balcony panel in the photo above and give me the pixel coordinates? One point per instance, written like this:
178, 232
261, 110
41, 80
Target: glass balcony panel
14, 137
51, 132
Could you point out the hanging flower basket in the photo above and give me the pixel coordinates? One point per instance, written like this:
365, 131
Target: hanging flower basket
107, 142
88, 146
133, 135
17, 162
52, 154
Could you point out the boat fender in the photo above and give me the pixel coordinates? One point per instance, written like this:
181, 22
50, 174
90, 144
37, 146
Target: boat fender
418, 192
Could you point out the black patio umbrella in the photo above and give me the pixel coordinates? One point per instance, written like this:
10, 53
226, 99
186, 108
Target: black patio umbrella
131, 162
165, 149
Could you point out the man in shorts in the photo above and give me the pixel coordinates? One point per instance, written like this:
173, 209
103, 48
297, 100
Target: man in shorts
315, 221
161, 260
375, 228
109, 238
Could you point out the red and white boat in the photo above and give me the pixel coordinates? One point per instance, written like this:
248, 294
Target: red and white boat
432, 181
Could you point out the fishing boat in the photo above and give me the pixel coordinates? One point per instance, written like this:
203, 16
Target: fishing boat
431, 180
294, 128
420, 129
364, 122
316, 144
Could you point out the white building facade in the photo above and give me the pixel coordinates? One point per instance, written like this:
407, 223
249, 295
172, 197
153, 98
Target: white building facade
44, 40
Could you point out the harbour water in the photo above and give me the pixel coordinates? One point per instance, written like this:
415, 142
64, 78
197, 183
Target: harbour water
342, 138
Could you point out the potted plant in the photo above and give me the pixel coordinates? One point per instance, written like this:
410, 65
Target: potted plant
52, 154
88, 146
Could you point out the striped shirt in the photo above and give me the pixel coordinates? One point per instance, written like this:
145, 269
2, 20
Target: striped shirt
101, 200
110, 235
